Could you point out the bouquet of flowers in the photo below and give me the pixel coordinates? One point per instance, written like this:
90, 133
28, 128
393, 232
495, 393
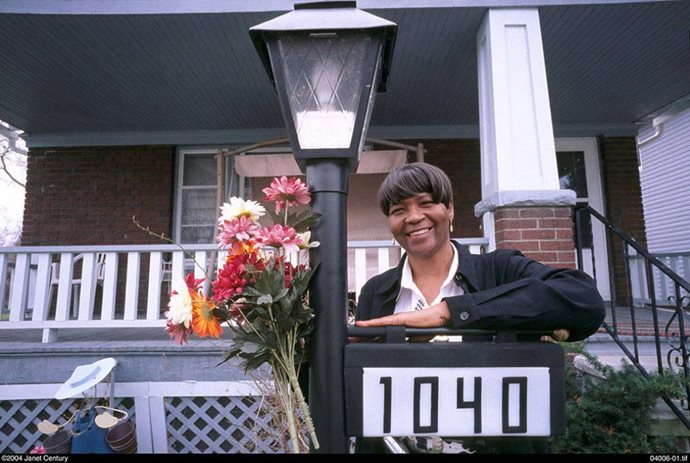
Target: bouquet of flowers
259, 293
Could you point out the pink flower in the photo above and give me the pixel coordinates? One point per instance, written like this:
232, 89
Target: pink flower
239, 229
279, 236
178, 332
38, 449
287, 192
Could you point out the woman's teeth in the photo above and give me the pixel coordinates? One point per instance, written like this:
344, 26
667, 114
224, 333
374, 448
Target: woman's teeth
419, 232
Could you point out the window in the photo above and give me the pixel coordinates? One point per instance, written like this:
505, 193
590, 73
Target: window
196, 212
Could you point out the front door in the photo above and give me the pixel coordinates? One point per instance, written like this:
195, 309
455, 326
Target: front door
578, 170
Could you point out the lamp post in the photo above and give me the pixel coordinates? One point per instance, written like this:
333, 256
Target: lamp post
327, 60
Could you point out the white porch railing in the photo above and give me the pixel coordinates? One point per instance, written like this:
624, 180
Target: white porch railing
55, 287
664, 288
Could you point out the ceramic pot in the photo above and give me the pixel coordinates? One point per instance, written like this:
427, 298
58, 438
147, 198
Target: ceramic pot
59, 443
122, 437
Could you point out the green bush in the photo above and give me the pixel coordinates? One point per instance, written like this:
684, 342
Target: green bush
613, 415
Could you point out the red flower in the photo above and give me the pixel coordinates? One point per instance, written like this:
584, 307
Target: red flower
231, 279
193, 283
290, 272
287, 192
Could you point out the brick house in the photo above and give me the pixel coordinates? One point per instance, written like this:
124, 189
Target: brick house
124, 108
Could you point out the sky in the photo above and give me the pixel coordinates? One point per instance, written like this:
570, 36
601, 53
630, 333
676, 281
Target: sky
11, 197
11, 201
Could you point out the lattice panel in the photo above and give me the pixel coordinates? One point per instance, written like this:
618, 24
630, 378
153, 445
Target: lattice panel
220, 425
19, 420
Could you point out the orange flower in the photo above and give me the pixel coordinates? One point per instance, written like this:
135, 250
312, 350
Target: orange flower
204, 322
238, 248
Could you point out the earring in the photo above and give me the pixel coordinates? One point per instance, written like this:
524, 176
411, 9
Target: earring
393, 241
451, 228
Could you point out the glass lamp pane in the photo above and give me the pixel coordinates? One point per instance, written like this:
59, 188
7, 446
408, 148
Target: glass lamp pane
324, 74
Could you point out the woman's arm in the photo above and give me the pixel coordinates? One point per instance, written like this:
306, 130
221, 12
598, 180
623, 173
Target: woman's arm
533, 297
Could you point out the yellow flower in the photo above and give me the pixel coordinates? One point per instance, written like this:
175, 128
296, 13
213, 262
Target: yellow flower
238, 207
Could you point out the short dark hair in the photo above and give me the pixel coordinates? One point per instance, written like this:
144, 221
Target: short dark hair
412, 179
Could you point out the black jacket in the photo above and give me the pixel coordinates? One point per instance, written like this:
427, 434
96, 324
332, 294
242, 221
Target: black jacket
503, 290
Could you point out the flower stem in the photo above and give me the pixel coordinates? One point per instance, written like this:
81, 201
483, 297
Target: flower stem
284, 392
304, 408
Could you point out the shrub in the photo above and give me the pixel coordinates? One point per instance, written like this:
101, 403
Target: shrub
613, 415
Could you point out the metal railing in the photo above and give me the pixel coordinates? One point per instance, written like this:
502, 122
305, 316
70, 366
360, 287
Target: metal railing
669, 321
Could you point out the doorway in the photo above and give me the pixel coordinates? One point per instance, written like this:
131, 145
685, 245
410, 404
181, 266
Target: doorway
579, 170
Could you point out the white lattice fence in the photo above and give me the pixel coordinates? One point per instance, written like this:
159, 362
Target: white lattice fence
170, 417
219, 425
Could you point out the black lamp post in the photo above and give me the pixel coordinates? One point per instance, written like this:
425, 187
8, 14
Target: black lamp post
327, 60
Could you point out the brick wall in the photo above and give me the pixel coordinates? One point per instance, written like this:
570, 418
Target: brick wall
623, 201
542, 233
88, 196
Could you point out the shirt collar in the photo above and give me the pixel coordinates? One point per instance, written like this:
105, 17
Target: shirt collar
407, 282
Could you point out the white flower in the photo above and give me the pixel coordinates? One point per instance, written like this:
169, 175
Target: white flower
180, 304
306, 244
238, 207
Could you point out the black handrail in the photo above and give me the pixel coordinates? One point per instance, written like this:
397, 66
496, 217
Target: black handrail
679, 348
368, 332
633, 244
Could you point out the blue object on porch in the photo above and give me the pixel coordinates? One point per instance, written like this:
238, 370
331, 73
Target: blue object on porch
89, 438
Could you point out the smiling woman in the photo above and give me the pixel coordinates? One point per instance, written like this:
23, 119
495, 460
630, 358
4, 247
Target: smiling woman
438, 282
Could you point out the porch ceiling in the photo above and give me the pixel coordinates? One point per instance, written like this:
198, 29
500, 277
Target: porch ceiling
81, 78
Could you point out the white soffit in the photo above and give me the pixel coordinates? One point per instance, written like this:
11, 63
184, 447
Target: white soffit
276, 165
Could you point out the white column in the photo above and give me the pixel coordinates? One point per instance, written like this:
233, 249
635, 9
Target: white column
516, 132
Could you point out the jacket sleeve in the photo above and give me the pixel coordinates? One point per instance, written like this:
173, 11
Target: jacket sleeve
524, 294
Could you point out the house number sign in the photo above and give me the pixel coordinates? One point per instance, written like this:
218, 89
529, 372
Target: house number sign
455, 389
456, 401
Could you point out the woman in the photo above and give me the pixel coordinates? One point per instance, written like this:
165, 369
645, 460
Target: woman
439, 283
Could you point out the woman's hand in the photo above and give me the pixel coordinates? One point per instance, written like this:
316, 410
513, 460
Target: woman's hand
432, 317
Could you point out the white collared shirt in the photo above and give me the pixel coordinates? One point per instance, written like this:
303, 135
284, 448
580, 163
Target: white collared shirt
411, 298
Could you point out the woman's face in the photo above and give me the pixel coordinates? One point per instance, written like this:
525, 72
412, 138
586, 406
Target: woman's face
421, 226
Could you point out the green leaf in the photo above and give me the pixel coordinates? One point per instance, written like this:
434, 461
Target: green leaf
251, 348
265, 299
228, 356
255, 362
261, 311
282, 293
301, 219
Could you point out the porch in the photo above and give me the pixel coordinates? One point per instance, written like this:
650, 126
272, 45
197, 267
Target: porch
51, 288
72, 305
66, 306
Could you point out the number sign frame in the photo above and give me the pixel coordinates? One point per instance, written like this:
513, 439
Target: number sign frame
509, 366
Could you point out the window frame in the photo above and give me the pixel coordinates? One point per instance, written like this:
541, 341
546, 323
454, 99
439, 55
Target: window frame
180, 154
